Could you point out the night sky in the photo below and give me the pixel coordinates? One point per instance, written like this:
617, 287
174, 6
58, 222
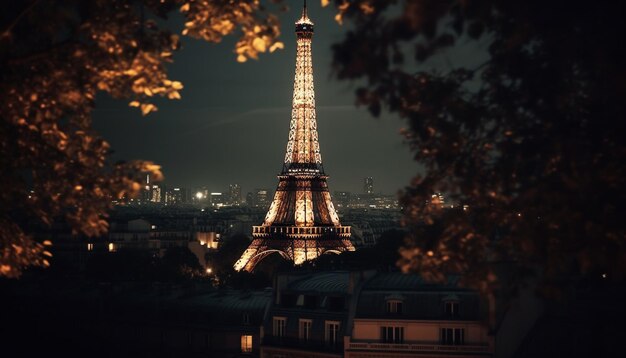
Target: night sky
232, 123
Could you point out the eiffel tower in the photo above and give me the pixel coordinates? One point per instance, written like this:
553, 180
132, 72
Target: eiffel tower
301, 223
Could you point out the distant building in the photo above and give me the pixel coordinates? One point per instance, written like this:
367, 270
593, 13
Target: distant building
368, 185
156, 194
261, 198
177, 196
234, 194
201, 195
342, 199
374, 201
146, 192
217, 199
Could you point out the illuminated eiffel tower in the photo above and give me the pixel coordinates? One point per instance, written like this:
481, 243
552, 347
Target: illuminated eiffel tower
301, 223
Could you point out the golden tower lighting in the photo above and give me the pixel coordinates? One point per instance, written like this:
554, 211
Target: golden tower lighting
301, 223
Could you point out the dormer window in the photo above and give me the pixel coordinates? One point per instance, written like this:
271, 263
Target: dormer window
452, 309
394, 306
451, 306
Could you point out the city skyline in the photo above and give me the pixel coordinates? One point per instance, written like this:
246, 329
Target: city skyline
358, 188
231, 124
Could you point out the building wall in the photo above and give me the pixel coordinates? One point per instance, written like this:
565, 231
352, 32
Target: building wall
418, 331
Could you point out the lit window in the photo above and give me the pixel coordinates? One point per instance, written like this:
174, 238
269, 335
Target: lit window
331, 333
305, 329
394, 306
279, 326
452, 336
89, 247
112, 247
246, 344
392, 334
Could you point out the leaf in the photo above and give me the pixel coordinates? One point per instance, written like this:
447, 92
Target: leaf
277, 46
259, 44
146, 108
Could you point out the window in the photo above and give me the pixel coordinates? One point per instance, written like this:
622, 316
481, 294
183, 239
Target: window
331, 333
392, 334
305, 330
89, 247
394, 306
246, 344
451, 308
279, 326
245, 319
452, 336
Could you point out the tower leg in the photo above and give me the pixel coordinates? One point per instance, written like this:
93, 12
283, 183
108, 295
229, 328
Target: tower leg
257, 251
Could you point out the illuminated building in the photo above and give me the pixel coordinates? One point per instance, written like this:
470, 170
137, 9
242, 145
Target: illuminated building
146, 192
301, 223
258, 199
342, 198
176, 196
156, 194
368, 185
250, 199
235, 194
217, 200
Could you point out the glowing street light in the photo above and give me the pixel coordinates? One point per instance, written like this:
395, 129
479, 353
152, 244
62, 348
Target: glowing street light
199, 195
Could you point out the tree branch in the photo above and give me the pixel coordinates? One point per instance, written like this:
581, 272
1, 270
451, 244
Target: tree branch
6, 32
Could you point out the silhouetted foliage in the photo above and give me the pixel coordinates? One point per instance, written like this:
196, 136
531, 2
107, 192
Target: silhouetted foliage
531, 139
382, 257
178, 263
55, 56
125, 265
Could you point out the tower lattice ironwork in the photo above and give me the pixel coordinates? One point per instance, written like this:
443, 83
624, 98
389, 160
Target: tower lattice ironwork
301, 223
